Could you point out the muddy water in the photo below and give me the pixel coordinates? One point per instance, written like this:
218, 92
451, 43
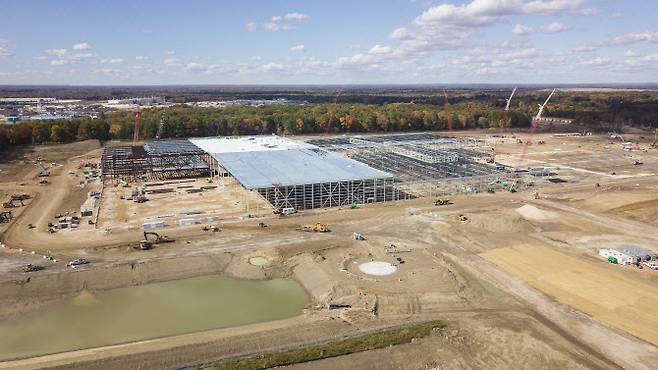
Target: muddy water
149, 311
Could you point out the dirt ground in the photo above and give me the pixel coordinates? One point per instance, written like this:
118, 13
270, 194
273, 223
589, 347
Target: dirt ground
505, 305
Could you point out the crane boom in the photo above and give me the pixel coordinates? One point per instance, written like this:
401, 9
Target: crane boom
509, 100
542, 106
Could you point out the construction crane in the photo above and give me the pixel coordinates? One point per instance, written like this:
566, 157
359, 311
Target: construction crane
509, 100
446, 106
542, 106
138, 121
158, 135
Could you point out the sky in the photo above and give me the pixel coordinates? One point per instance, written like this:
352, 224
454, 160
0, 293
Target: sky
121, 42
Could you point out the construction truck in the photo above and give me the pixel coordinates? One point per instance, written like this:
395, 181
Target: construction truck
317, 227
442, 202
32, 268
146, 244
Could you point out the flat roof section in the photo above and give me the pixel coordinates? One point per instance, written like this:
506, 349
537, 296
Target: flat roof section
264, 169
229, 144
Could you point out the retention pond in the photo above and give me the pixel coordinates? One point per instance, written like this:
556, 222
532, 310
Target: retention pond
149, 311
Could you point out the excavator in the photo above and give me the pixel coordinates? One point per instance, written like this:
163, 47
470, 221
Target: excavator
442, 202
317, 227
146, 244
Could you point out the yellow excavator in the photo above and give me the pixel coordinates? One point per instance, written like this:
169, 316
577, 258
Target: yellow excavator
146, 244
317, 227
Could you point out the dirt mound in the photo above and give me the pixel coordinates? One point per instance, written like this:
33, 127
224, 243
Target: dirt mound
530, 212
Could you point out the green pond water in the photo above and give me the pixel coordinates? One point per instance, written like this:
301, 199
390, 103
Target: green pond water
149, 311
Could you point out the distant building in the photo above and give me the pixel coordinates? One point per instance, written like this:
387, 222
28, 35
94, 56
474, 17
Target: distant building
551, 121
628, 254
153, 100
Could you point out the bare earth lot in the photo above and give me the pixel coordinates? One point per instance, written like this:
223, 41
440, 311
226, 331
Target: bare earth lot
519, 284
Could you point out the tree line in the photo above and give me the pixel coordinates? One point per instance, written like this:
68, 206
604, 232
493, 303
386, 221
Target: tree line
181, 121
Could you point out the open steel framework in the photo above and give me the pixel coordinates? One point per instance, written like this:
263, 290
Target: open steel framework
154, 161
331, 194
425, 164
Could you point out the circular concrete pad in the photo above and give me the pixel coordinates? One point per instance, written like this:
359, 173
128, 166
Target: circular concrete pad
259, 261
377, 268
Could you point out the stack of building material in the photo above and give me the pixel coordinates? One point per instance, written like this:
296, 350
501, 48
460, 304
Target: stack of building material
153, 224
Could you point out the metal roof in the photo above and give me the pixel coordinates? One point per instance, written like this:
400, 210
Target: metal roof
634, 251
268, 168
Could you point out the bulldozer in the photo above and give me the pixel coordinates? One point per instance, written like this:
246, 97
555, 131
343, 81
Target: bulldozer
442, 202
317, 227
146, 244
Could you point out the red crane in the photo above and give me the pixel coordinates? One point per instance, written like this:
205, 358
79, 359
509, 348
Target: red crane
138, 121
446, 106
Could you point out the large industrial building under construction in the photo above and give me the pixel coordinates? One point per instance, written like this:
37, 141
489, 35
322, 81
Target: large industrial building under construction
320, 172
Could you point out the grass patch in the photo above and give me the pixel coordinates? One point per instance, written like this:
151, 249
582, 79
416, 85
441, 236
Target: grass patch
378, 339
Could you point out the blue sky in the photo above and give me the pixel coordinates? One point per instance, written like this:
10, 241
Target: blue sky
326, 42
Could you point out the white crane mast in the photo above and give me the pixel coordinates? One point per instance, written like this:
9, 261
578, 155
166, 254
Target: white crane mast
541, 106
510, 99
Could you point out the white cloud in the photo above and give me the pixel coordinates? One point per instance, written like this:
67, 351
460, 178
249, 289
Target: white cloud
80, 56
296, 17
170, 52
379, 49
633, 38
59, 62
195, 67
402, 33
299, 48
271, 27
112, 61
584, 48
81, 46
630, 54
4, 53
522, 30
172, 62
56, 52
616, 15
554, 27
251, 26
595, 62
276, 18
140, 57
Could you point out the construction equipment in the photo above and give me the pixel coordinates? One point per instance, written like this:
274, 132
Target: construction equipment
32, 268
637, 162
358, 236
462, 218
147, 244
262, 225
542, 106
442, 202
317, 227
213, 228
5, 216
354, 206
44, 171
